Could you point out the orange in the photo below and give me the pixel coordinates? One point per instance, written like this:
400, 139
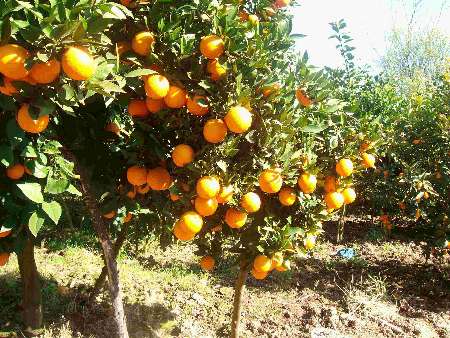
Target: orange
182, 155
330, 184
113, 128
207, 263
238, 119
364, 146
215, 131
259, 275
174, 197
28, 123
349, 195
154, 106
197, 105
138, 108
235, 218
132, 193
344, 167
7, 88
309, 242
251, 202
122, 47
191, 222
243, 16
175, 98
262, 263
368, 160
143, 189
156, 86
307, 183
225, 195
207, 187
180, 232
127, 218
159, 179
285, 266
110, 215
277, 260
270, 181
304, 100
137, 175
287, 196
426, 195
78, 64
45, 72
4, 258
15, 172
216, 69
269, 90
12, 61
4, 234
212, 46
206, 207
142, 43
282, 3
334, 200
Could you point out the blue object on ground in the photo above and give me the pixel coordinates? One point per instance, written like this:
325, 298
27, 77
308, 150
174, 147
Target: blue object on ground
346, 253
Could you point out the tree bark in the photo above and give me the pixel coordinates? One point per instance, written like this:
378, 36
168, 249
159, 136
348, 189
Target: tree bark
239, 290
31, 287
99, 283
341, 226
108, 252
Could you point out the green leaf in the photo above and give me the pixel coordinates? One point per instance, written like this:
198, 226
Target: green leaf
56, 186
6, 155
313, 129
29, 152
32, 191
35, 223
74, 191
53, 210
140, 72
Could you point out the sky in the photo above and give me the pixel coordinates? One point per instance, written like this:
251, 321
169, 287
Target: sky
368, 21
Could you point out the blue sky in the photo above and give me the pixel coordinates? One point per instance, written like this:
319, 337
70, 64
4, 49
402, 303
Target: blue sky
368, 21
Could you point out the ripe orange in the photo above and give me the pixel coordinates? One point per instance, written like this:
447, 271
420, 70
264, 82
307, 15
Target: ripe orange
262, 263
137, 175
138, 108
132, 193
349, 195
277, 260
15, 172
154, 106
78, 64
45, 72
4, 258
238, 119
206, 207
215, 131
303, 98
334, 200
235, 218
251, 202
330, 184
127, 218
307, 183
207, 263
216, 69
259, 275
287, 196
269, 90
182, 155
143, 189
207, 187
174, 197
212, 46
368, 160
191, 222
156, 86
225, 195
309, 242
12, 61
7, 88
110, 215
284, 267
426, 195
282, 3
180, 232
113, 128
29, 124
175, 98
142, 43
270, 181
159, 178
4, 234
344, 167
197, 105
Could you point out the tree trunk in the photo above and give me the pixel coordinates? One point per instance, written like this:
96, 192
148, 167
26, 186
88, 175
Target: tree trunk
102, 277
108, 252
239, 290
31, 287
341, 225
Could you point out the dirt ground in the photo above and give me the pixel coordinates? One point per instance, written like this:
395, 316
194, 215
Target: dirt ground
388, 289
